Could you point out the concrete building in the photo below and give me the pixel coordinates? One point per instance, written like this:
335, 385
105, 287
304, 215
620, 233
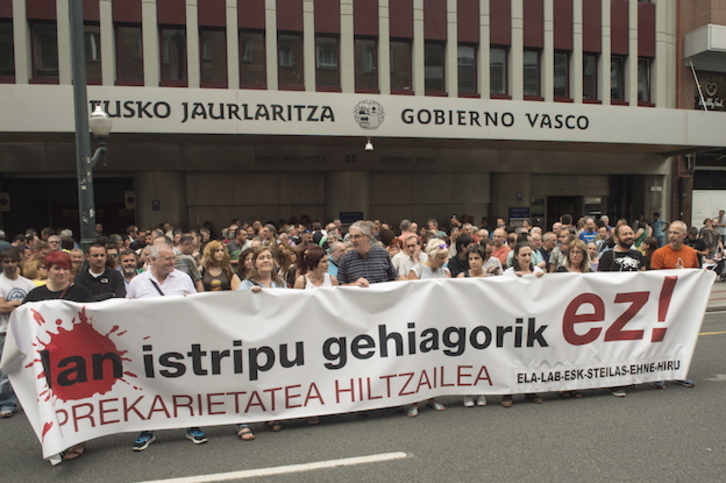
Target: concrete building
261, 109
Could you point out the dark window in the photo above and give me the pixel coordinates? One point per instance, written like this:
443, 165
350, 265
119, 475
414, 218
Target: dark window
173, 43
7, 55
466, 61
400, 66
531, 73
366, 64
45, 50
252, 71
498, 70
290, 60
129, 53
644, 80
589, 76
213, 56
92, 40
326, 62
434, 67
562, 74
617, 78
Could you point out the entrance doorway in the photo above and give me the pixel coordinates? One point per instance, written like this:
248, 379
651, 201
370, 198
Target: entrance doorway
559, 205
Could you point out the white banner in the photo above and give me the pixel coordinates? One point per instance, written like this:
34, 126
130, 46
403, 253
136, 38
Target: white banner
86, 370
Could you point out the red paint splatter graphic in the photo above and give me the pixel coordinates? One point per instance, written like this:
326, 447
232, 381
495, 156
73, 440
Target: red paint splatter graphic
78, 362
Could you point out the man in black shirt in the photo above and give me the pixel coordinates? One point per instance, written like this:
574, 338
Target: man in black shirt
103, 282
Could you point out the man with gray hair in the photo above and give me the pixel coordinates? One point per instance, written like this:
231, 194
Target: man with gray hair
365, 264
336, 252
406, 230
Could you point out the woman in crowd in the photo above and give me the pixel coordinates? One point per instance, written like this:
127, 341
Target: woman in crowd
649, 245
522, 266
313, 269
478, 257
285, 258
60, 286
438, 252
578, 258
592, 254
217, 273
263, 275
644, 230
244, 265
36, 271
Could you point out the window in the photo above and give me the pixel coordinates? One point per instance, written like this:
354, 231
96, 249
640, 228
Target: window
589, 76
213, 56
466, 61
129, 54
252, 59
366, 64
644, 80
617, 78
326, 62
531, 73
290, 60
45, 50
562, 74
400, 66
498, 71
173, 43
434, 67
92, 41
7, 55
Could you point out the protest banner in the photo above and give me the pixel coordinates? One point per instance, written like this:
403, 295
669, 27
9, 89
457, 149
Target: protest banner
82, 371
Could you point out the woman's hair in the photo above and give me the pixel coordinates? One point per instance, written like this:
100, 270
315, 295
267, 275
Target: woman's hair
60, 258
209, 261
652, 245
515, 260
283, 257
241, 262
30, 268
386, 236
476, 248
275, 277
585, 263
309, 258
436, 246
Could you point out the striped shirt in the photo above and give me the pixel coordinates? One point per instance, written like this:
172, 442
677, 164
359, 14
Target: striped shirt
376, 267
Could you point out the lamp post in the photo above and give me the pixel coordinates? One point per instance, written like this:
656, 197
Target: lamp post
99, 122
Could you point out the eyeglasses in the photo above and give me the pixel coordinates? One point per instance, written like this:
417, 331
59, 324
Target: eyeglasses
575, 252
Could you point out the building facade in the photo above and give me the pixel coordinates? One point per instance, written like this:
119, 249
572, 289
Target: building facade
262, 109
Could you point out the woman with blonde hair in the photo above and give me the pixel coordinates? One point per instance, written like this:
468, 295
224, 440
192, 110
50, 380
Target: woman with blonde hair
217, 273
578, 258
35, 270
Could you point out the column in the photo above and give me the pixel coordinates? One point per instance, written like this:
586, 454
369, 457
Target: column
603, 68
166, 187
548, 53
631, 65
63, 16
504, 190
384, 48
150, 34
347, 191
347, 47
483, 54
193, 68
418, 67
21, 42
516, 54
108, 44
576, 60
658, 67
232, 26
309, 44
271, 44
452, 50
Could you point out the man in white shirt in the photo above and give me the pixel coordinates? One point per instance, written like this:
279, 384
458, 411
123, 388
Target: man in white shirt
13, 290
411, 254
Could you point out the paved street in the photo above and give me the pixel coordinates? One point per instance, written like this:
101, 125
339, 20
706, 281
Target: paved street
665, 436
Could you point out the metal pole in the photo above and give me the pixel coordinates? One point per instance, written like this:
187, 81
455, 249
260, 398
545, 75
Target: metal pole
86, 205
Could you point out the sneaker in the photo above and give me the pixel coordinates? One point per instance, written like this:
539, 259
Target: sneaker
196, 436
6, 413
533, 398
481, 401
468, 401
617, 391
685, 382
143, 441
659, 385
412, 412
436, 406
507, 401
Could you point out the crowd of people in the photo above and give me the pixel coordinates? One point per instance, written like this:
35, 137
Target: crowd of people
307, 254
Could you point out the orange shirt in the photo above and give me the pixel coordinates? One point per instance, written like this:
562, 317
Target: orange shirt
666, 257
501, 254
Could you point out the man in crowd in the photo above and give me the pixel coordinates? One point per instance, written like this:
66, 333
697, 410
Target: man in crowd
411, 254
365, 264
501, 250
589, 233
459, 262
13, 289
128, 261
549, 242
162, 279
337, 250
559, 253
103, 282
676, 254
186, 263
698, 244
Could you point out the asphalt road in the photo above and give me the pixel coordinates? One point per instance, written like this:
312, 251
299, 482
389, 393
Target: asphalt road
676, 435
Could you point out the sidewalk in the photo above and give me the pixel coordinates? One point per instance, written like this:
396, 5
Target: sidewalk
717, 301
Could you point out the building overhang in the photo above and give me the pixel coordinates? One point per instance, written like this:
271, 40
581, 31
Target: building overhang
706, 48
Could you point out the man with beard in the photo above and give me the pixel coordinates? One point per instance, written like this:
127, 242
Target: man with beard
128, 261
13, 290
622, 258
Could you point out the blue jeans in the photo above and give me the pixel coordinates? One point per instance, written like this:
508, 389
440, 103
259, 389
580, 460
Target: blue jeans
8, 400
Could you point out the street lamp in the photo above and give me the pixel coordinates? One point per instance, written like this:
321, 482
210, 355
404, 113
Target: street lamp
100, 125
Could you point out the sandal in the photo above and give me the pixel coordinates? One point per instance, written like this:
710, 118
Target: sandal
74, 452
245, 433
274, 426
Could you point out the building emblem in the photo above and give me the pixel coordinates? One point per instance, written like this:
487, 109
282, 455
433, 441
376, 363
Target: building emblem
368, 114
